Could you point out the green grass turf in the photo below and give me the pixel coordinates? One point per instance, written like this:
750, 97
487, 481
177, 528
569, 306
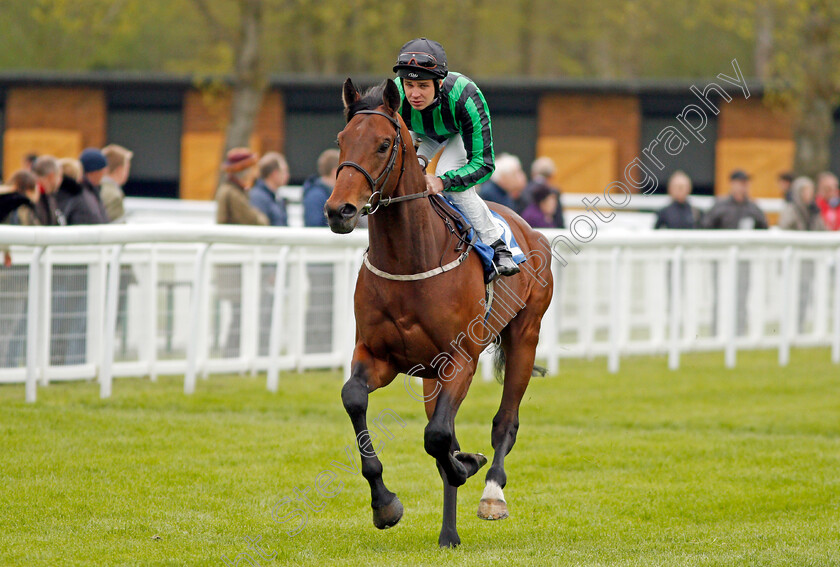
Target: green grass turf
704, 466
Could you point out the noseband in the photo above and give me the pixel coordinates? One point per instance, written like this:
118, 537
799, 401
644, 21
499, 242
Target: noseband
370, 207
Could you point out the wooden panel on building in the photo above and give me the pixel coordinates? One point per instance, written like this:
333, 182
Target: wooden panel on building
270, 124
201, 159
614, 116
762, 159
72, 108
205, 121
17, 142
584, 164
754, 119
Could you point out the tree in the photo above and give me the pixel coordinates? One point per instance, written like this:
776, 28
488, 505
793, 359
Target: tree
805, 76
797, 54
763, 39
249, 77
485, 38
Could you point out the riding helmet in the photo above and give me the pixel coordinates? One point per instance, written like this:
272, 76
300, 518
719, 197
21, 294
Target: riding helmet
421, 59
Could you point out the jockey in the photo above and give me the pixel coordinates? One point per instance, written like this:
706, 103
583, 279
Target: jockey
448, 110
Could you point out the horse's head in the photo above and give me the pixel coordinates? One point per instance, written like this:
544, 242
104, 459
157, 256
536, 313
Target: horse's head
369, 147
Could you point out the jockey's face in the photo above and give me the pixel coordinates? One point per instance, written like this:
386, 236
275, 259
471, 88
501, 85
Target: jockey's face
419, 94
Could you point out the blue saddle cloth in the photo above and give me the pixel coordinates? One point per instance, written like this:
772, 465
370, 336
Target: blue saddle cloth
485, 252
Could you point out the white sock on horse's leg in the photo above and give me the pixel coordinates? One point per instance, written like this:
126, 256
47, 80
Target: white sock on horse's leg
492, 491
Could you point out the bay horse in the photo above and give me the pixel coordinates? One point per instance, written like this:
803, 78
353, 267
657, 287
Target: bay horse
420, 306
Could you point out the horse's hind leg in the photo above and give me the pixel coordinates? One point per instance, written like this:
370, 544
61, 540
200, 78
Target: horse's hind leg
367, 375
519, 341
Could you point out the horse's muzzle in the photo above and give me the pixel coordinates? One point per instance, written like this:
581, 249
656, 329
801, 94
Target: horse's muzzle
343, 219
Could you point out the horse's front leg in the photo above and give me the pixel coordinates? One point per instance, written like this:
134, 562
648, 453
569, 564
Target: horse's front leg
440, 442
367, 375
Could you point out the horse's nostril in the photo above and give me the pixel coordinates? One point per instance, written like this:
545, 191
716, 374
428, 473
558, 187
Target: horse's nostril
347, 211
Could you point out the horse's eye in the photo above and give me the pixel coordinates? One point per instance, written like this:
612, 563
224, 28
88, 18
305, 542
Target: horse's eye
384, 147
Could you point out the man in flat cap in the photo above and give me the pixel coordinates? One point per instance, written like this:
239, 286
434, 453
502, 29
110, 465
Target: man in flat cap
736, 211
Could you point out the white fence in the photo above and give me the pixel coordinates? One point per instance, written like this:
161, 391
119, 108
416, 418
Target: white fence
636, 215
100, 302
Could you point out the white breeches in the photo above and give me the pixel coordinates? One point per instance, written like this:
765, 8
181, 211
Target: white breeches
454, 156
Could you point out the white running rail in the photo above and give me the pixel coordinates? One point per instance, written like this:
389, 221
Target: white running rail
98, 302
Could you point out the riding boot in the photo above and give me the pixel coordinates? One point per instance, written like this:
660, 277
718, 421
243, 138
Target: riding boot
503, 259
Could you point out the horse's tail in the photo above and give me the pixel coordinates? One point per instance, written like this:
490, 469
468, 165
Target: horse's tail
499, 360
540, 371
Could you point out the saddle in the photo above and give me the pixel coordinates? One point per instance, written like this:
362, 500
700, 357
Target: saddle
462, 229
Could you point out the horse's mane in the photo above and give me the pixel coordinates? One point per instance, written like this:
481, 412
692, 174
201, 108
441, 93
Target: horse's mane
371, 100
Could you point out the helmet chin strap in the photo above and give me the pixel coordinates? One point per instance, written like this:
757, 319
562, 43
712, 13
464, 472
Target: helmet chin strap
436, 100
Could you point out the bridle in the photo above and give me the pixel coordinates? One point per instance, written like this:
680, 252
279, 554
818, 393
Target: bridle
369, 208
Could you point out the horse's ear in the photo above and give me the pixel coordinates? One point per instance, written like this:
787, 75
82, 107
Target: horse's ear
349, 94
391, 96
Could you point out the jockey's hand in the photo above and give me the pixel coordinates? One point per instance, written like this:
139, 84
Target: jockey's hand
434, 185
7, 259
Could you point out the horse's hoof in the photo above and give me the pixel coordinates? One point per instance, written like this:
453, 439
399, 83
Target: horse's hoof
471, 461
388, 515
492, 509
449, 539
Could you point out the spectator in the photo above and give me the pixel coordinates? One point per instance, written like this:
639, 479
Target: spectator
19, 207
273, 174
80, 201
10, 201
233, 207
317, 189
48, 175
828, 200
540, 213
542, 172
826, 181
785, 180
232, 202
116, 176
71, 168
801, 213
94, 165
678, 214
28, 161
507, 183
736, 211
